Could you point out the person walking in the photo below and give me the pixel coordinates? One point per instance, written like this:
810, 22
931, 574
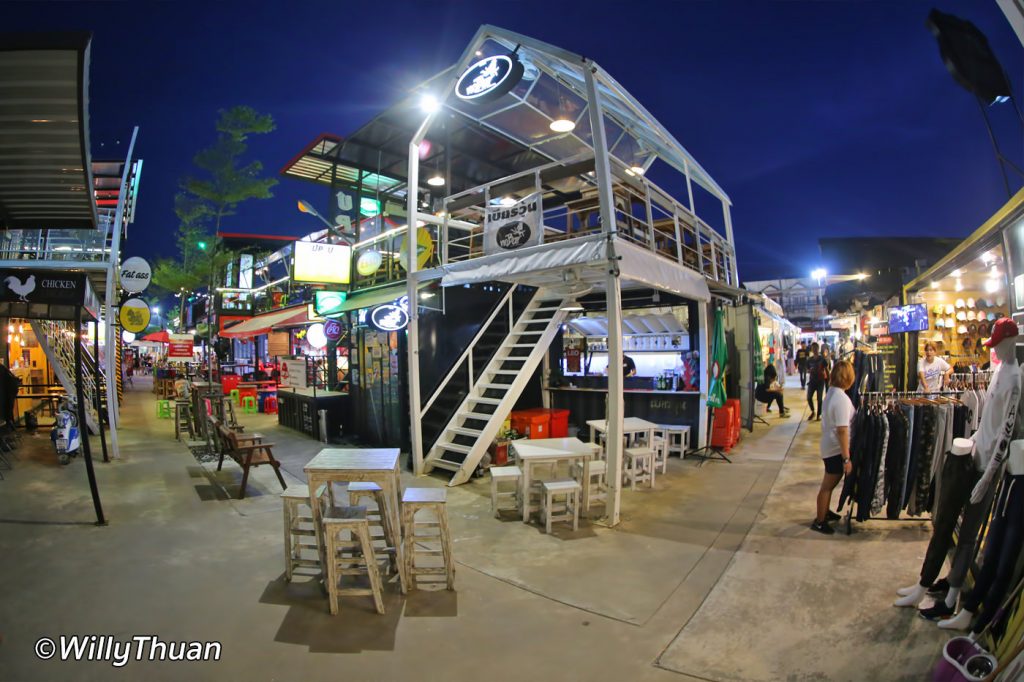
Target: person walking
835, 443
817, 375
801, 363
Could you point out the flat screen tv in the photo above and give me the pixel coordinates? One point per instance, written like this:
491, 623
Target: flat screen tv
908, 318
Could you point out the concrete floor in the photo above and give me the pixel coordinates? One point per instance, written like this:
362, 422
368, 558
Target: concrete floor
683, 589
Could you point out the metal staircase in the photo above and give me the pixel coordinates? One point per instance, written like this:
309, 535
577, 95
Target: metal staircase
57, 340
496, 389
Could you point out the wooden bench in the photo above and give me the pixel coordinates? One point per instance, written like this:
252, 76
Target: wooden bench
248, 451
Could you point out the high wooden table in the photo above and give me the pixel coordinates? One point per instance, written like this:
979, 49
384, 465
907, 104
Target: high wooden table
550, 451
347, 465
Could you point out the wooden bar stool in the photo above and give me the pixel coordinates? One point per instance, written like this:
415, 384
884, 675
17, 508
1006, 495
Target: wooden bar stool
299, 525
499, 475
183, 420
677, 438
376, 517
433, 500
598, 480
639, 466
228, 409
568, 509
350, 557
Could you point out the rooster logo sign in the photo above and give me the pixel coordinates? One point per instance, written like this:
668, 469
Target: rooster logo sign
22, 290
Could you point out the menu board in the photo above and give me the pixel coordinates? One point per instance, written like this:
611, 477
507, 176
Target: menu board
890, 348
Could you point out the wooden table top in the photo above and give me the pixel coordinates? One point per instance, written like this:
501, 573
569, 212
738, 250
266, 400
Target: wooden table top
629, 424
551, 447
353, 459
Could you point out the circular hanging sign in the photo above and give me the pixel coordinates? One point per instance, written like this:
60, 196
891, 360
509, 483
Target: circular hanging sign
134, 315
135, 275
389, 317
127, 337
315, 335
424, 249
368, 262
489, 79
332, 330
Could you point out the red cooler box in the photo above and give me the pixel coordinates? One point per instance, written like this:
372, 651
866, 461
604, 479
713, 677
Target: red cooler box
535, 423
229, 382
559, 421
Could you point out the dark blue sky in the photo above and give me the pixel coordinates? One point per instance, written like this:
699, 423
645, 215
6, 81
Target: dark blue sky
818, 118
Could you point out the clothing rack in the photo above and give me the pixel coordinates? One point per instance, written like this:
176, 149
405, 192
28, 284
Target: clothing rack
891, 395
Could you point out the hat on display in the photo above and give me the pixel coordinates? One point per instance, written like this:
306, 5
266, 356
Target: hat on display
985, 329
1000, 315
982, 303
961, 315
972, 329
950, 323
970, 303
940, 323
962, 329
949, 308
959, 303
938, 308
1000, 300
1003, 329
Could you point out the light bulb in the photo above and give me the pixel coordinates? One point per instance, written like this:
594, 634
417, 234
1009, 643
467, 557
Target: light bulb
562, 125
955, 273
959, 285
991, 285
436, 180
935, 285
429, 104
637, 170
508, 201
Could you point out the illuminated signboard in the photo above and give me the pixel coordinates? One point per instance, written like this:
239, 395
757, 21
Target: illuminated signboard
489, 79
329, 302
322, 263
236, 302
389, 318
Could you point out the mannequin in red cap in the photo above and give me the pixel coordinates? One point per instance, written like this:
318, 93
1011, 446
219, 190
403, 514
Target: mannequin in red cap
969, 487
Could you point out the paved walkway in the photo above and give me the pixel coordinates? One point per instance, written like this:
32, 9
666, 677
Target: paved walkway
183, 560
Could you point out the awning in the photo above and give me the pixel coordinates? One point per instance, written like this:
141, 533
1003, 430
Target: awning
375, 297
262, 324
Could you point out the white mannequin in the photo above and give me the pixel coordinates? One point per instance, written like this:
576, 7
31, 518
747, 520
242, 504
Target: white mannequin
913, 594
1015, 466
994, 432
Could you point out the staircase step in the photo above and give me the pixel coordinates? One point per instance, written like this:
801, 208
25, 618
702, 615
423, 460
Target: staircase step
495, 387
476, 415
486, 401
508, 371
464, 449
463, 431
446, 464
535, 321
544, 310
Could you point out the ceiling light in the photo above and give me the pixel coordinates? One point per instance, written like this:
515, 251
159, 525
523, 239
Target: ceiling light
562, 125
991, 285
986, 257
637, 170
429, 104
935, 285
862, 275
955, 273
959, 285
436, 180
993, 272
508, 201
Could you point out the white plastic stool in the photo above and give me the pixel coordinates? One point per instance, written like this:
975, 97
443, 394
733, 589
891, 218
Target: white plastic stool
677, 438
598, 480
569, 510
499, 475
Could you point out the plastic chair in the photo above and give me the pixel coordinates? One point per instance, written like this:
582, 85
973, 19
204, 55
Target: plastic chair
249, 405
235, 396
270, 404
163, 409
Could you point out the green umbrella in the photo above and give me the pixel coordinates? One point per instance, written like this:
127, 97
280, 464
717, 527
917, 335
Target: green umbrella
719, 362
758, 358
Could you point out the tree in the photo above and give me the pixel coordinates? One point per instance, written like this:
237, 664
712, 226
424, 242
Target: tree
205, 200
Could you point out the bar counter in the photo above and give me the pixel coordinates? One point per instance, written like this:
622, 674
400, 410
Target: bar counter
660, 407
299, 409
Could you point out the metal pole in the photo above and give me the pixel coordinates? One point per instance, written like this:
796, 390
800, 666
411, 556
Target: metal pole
83, 428
99, 382
613, 300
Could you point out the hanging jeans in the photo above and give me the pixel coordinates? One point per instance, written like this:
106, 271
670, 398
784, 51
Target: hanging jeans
959, 477
815, 388
1002, 549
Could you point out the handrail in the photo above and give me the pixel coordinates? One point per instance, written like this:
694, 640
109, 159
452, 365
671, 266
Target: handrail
507, 298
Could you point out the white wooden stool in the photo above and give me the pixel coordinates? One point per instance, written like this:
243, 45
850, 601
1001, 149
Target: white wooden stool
598, 450
297, 526
660, 447
677, 438
499, 475
598, 480
350, 557
639, 466
433, 500
568, 510
358, 491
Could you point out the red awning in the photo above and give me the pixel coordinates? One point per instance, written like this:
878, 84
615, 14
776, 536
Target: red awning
262, 324
160, 336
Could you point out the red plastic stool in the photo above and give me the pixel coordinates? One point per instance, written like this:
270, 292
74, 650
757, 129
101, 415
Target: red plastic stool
209, 407
270, 404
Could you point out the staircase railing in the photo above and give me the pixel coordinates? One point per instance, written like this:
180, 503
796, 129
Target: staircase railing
57, 342
505, 302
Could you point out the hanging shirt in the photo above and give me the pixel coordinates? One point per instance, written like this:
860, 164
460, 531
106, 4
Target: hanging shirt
970, 401
997, 418
932, 372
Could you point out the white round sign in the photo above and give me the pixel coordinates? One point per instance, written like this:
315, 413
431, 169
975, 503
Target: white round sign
127, 336
135, 275
315, 335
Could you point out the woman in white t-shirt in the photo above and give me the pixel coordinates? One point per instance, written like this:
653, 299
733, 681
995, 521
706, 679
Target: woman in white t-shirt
836, 415
932, 371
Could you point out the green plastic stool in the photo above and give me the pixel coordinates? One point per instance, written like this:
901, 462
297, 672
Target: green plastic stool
249, 405
234, 396
163, 409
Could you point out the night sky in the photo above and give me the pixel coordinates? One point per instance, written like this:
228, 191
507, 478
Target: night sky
817, 118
